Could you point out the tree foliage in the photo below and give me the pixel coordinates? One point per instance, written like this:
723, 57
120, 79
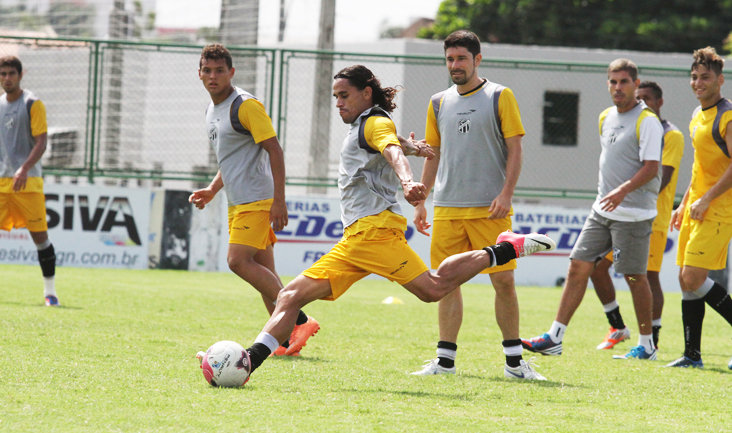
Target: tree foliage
645, 25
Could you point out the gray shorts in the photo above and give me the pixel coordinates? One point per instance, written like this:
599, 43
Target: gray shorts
629, 242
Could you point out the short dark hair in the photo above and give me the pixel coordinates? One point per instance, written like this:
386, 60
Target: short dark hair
215, 52
361, 77
655, 88
708, 58
619, 65
463, 38
13, 62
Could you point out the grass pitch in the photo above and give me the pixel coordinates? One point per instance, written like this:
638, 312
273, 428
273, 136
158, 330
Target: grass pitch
119, 355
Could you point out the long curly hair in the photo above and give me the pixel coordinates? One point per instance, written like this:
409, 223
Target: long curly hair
361, 77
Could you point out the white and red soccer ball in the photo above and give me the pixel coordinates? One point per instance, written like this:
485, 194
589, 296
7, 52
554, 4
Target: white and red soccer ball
226, 364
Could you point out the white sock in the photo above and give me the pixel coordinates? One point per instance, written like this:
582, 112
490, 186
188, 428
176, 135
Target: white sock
268, 340
705, 288
446, 353
44, 245
556, 333
49, 286
516, 350
610, 306
656, 322
647, 342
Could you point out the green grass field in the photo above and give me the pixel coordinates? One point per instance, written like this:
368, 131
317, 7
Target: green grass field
119, 355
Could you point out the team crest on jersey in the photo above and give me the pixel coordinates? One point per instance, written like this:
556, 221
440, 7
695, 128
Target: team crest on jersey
213, 132
464, 126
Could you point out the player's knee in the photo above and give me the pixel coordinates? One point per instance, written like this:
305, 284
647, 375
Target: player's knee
692, 281
290, 297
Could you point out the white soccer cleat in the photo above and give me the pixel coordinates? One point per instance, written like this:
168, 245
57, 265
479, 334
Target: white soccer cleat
525, 371
525, 245
432, 367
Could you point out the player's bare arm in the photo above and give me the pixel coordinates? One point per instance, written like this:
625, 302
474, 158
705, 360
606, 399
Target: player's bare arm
501, 205
416, 148
429, 174
414, 192
667, 172
615, 197
200, 198
278, 212
701, 205
677, 216
20, 178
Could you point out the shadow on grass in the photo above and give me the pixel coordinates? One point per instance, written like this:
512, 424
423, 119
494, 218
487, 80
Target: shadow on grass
464, 396
37, 305
315, 359
718, 370
541, 383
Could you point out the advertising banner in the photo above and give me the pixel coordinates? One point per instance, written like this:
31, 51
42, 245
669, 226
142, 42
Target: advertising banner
315, 227
90, 227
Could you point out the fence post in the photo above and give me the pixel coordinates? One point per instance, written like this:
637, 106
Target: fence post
91, 136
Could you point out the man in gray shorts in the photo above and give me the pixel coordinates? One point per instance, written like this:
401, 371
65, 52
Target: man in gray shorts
622, 216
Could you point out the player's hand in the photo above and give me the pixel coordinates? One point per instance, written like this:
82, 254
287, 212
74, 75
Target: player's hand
278, 217
414, 192
698, 209
20, 178
420, 219
613, 199
201, 197
416, 148
500, 207
677, 217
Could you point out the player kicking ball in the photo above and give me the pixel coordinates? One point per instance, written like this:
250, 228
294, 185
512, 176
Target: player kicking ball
372, 167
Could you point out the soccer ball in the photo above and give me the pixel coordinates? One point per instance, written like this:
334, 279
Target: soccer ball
226, 364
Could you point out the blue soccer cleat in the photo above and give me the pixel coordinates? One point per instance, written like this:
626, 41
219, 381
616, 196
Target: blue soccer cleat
543, 344
638, 352
52, 301
685, 362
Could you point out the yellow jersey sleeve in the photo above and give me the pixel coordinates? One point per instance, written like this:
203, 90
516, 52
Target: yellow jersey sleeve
255, 119
603, 115
38, 119
673, 149
508, 112
380, 132
431, 131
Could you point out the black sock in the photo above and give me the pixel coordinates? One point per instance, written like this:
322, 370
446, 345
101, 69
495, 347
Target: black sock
719, 299
692, 314
512, 360
504, 252
286, 343
47, 260
442, 361
656, 331
615, 318
301, 318
257, 354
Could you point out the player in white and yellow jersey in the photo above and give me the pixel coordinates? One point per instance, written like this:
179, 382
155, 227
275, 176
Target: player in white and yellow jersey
475, 128
23, 134
704, 217
622, 216
372, 166
252, 172
673, 149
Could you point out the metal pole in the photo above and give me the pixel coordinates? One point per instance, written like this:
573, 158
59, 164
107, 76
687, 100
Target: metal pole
320, 133
92, 138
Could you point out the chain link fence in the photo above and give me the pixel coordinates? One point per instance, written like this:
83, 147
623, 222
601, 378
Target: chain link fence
125, 110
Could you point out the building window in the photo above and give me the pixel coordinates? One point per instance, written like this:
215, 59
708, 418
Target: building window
561, 110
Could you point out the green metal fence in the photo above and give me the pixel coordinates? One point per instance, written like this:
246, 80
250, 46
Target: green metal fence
126, 110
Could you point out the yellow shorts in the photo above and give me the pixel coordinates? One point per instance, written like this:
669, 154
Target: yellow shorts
703, 244
450, 237
23, 209
383, 252
250, 228
655, 253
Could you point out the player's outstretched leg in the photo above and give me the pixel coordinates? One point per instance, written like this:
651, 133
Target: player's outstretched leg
526, 245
